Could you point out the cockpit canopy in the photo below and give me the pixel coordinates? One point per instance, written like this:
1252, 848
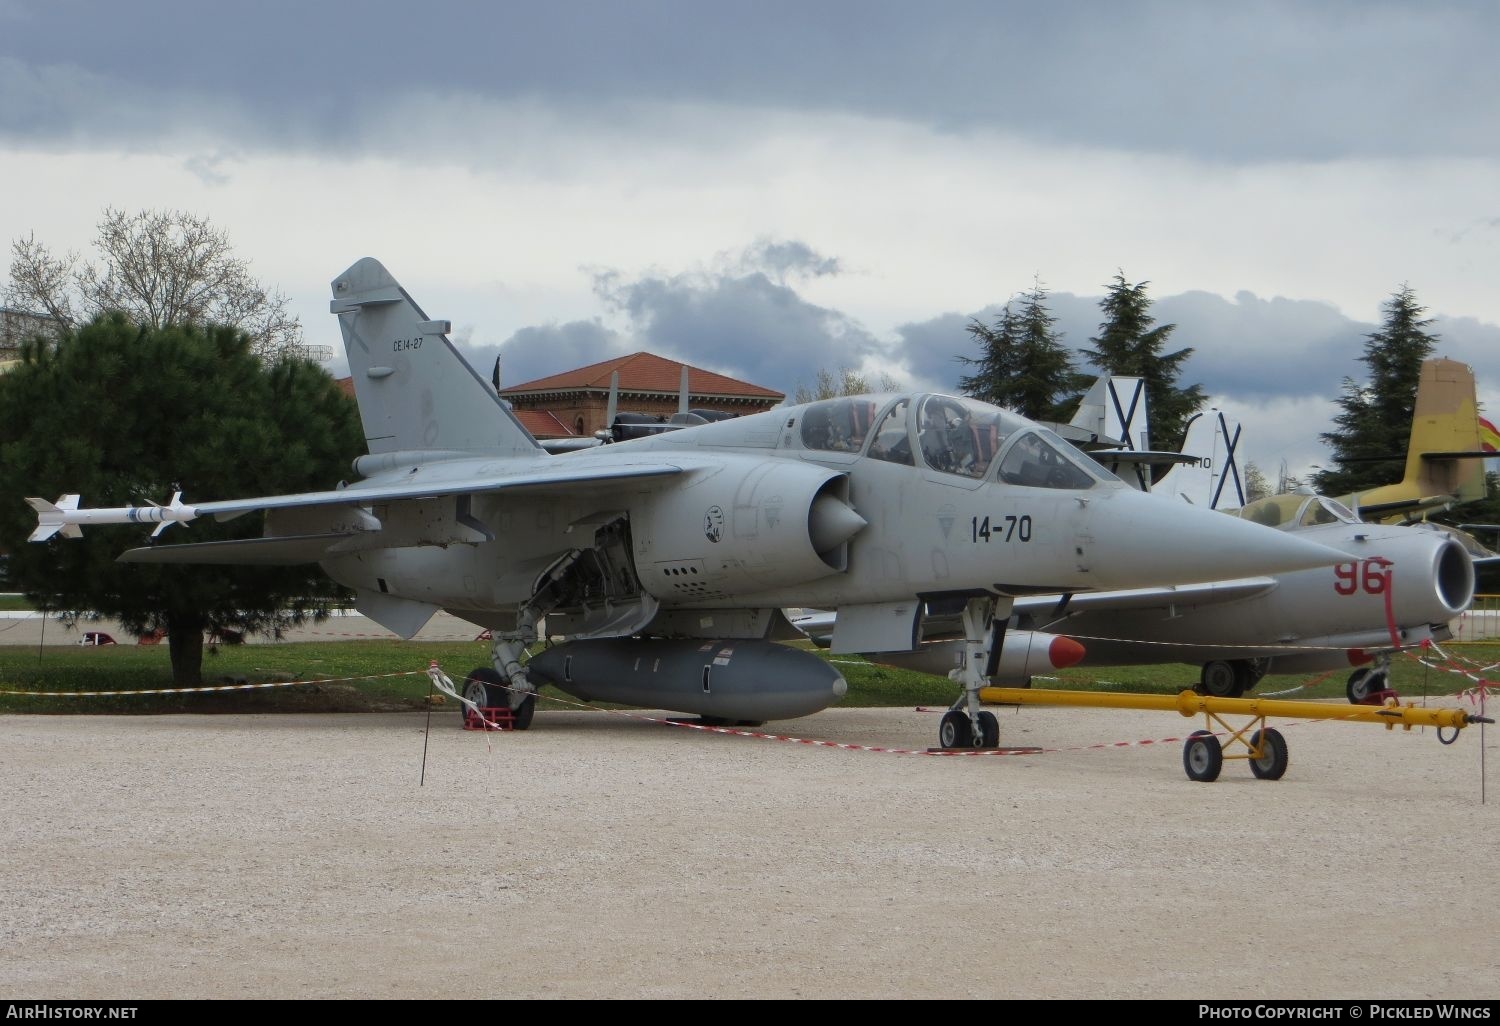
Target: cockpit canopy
948, 434
1297, 509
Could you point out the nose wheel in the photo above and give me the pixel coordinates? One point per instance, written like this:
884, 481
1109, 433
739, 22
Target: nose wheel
966, 725
957, 730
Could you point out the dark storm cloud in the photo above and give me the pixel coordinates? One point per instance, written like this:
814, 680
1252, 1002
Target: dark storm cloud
931, 349
1250, 348
1269, 80
1259, 349
783, 260
1256, 348
537, 352
744, 325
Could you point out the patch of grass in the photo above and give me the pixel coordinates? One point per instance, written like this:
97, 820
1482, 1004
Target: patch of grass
373, 675
378, 675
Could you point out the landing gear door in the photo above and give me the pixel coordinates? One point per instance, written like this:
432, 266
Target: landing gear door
877, 627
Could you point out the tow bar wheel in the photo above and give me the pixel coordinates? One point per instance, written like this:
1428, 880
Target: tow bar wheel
1271, 764
1202, 756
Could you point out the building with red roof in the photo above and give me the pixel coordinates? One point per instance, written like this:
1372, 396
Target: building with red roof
573, 404
649, 384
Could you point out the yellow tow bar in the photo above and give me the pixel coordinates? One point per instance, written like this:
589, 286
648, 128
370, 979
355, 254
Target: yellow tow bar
1203, 753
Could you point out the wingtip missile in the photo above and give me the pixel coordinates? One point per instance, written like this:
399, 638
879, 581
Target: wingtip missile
65, 517
51, 517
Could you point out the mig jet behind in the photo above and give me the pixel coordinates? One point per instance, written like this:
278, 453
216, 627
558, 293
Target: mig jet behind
1396, 588
661, 565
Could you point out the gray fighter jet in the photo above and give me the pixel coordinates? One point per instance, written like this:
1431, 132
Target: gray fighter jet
661, 565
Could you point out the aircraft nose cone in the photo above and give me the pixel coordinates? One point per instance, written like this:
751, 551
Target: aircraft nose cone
1139, 539
832, 522
1064, 652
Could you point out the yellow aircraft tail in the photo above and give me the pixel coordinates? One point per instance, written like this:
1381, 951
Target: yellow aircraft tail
1445, 457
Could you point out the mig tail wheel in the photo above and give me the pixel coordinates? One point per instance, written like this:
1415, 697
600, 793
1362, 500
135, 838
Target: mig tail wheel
1202, 756
1273, 759
1363, 684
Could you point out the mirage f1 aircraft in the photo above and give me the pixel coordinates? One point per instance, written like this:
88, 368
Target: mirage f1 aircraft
662, 564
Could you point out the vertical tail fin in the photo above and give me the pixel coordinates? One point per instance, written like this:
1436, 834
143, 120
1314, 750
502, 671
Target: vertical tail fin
415, 392
1115, 410
1445, 454
1214, 481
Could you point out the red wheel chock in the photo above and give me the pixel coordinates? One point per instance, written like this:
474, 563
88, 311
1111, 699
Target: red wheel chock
489, 718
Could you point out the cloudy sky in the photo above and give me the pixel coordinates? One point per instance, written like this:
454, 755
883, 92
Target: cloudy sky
768, 188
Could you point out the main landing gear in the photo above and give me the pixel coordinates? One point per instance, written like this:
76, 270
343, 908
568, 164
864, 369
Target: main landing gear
1229, 678
505, 685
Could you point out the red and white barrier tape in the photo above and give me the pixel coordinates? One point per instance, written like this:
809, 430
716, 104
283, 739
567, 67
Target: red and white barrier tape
435, 672
1475, 695
200, 690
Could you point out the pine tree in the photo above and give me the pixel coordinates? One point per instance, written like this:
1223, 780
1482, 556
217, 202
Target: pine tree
1024, 365
1374, 425
122, 413
1129, 346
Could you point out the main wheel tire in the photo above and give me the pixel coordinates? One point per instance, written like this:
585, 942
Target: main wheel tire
486, 689
1220, 679
989, 730
521, 718
955, 731
1202, 756
1273, 760
1363, 683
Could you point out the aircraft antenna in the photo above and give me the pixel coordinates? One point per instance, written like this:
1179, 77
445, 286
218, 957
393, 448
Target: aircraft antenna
614, 399
317, 353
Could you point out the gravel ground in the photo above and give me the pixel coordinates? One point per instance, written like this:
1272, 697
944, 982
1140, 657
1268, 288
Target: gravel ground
601, 855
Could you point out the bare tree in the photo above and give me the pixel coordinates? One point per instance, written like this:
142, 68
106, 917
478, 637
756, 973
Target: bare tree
160, 268
846, 382
1256, 484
